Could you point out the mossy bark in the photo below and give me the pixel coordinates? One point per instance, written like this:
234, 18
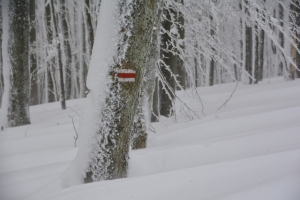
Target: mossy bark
18, 51
144, 109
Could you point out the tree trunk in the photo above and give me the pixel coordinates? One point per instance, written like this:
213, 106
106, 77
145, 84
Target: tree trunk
261, 51
282, 64
180, 63
248, 59
18, 54
50, 69
109, 156
89, 26
170, 60
67, 49
298, 36
256, 64
34, 93
61, 76
294, 53
212, 61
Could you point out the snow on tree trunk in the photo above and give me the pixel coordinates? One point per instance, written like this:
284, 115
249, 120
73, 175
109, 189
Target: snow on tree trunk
15, 49
115, 102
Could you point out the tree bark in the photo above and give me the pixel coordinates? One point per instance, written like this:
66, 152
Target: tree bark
18, 52
144, 110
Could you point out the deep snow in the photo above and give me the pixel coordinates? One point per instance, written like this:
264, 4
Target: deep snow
249, 150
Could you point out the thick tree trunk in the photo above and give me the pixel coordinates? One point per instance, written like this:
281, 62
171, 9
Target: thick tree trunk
18, 52
109, 156
169, 59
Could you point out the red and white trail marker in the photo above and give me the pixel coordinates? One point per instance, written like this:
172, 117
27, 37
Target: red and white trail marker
126, 75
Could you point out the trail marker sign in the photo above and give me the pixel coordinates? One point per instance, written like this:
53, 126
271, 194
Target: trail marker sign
126, 75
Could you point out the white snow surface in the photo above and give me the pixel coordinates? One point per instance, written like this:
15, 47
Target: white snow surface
247, 150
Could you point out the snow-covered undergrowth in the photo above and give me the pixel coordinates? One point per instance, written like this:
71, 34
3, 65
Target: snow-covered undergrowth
249, 149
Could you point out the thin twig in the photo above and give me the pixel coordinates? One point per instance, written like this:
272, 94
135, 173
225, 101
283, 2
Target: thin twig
230, 96
76, 134
26, 130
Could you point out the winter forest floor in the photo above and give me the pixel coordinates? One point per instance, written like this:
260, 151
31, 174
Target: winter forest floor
247, 150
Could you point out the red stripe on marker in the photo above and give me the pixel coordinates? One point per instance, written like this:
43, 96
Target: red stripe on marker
126, 75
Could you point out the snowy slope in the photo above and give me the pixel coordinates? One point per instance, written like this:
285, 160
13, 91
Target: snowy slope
249, 149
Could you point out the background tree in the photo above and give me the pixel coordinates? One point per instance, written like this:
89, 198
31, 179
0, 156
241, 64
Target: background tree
15, 49
34, 100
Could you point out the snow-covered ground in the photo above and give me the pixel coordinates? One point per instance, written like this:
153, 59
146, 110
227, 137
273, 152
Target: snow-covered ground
247, 150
